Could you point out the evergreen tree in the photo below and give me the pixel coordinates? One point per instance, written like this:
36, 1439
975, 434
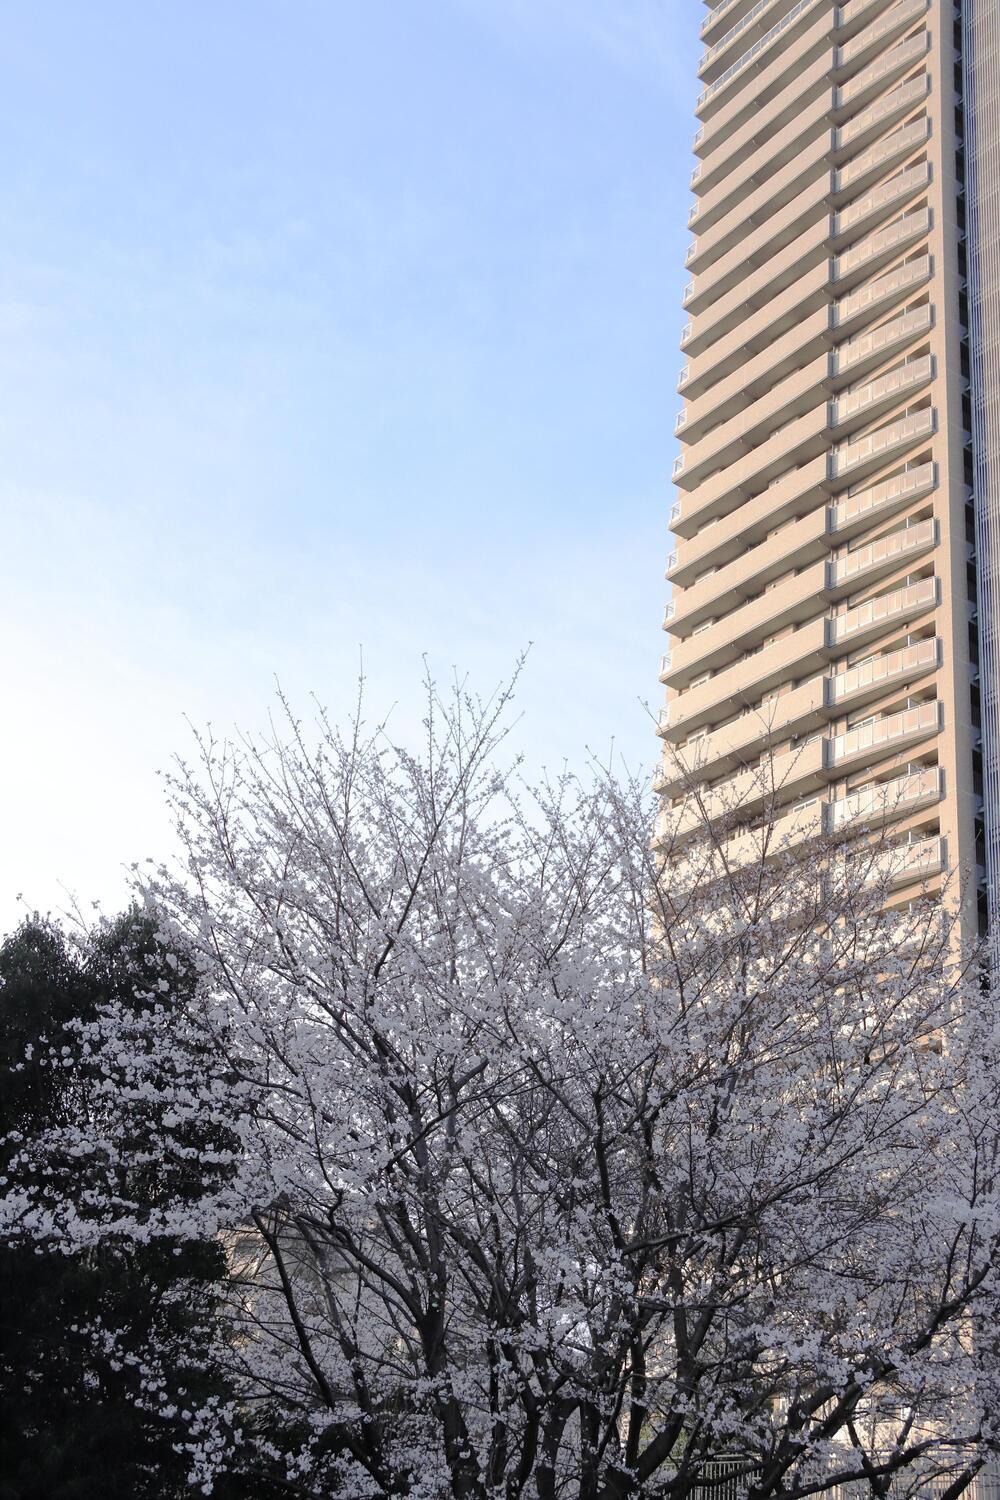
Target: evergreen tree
78, 1416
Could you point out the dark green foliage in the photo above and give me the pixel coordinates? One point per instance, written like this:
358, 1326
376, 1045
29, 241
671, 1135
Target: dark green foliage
72, 1423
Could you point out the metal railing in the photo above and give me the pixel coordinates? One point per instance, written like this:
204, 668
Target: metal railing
909, 181
897, 143
910, 599
895, 60
742, 25
897, 544
909, 227
891, 21
767, 40
903, 430
913, 373
896, 331
885, 286
921, 657
904, 96
910, 482
883, 798
909, 723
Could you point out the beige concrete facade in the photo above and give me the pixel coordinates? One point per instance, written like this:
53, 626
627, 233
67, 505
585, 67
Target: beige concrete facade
822, 610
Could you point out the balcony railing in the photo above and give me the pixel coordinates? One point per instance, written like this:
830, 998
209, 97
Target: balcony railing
742, 25
682, 378
910, 539
883, 799
909, 723
678, 465
911, 599
714, 14
923, 656
669, 611
911, 482
891, 21
895, 144
909, 274
912, 427
895, 60
672, 561
680, 421
696, 172
664, 663
675, 512
896, 331
766, 41
686, 333
909, 227
901, 186
914, 372
691, 252
688, 293
898, 99
910, 861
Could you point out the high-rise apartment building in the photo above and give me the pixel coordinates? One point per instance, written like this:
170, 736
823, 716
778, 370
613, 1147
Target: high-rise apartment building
825, 577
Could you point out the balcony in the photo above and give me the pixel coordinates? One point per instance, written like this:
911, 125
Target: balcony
863, 258
793, 657
784, 29
777, 838
857, 511
751, 732
788, 774
855, 174
664, 666
798, 106
850, 460
772, 80
691, 252
755, 376
864, 402
881, 200
724, 282
869, 348
867, 621
907, 863
729, 302
671, 562
750, 427
754, 19
869, 121
777, 210
683, 377
881, 737
861, 303
872, 80
793, 492
884, 800
893, 669
856, 52
753, 567
716, 14
882, 555
680, 422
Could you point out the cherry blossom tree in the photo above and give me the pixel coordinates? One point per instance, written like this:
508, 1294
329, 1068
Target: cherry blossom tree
560, 1163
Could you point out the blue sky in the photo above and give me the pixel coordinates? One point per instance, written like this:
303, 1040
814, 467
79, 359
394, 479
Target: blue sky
326, 326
